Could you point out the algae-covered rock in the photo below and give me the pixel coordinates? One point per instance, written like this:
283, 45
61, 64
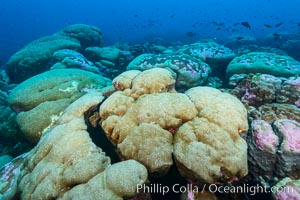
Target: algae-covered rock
275, 111
41, 99
290, 91
188, 71
287, 188
265, 63
149, 122
274, 150
255, 89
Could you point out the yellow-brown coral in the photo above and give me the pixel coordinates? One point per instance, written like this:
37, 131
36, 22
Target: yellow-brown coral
149, 122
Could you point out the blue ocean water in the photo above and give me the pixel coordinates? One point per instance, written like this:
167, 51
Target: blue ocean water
143, 20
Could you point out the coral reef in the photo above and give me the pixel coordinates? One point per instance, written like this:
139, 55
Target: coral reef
263, 62
35, 57
67, 58
215, 55
87, 35
41, 99
148, 121
111, 60
236, 41
66, 164
188, 71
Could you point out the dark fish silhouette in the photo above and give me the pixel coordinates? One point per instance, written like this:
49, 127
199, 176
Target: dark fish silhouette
278, 24
239, 37
277, 36
246, 24
218, 23
172, 16
190, 34
268, 26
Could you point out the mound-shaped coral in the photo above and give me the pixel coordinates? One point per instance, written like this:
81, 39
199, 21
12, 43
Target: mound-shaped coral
111, 60
188, 71
236, 41
216, 55
148, 122
67, 58
42, 98
66, 164
87, 35
265, 63
35, 57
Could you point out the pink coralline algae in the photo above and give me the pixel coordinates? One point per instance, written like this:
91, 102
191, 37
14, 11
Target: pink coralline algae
258, 89
287, 189
289, 193
264, 136
9, 176
255, 89
274, 150
290, 131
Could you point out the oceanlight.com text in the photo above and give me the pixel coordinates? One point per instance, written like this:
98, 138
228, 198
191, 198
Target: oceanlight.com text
213, 188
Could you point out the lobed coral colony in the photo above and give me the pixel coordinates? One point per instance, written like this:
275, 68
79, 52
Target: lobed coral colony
83, 121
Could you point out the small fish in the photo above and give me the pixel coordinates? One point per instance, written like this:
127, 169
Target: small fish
239, 37
268, 26
246, 24
218, 23
277, 36
190, 34
135, 16
172, 16
278, 24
